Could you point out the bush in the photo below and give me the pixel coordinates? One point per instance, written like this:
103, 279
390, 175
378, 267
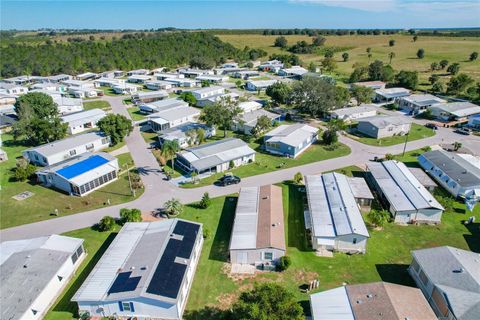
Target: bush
24, 170
231, 165
205, 202
298, 178
389, 156
330, 137
130, 215
106, 224
283, 263
206, 233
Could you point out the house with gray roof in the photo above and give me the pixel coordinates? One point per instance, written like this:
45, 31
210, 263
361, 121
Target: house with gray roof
60, 150
418, 103
212, 78
454, 111
216, 156
248, 120
290, 140
371, 301
142, 72
390, 95
149, 96
12, 88
59, 78
256, 85
146, 272
80, 175
66, 105
354, 113
34, 272
180, 133
84, 120
172, 117
162, 105
383, 126
402, 194
258, 233
450, 280
333, 219
158, 85
458, 173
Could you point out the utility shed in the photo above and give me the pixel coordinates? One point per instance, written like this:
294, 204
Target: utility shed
402, 194
258, 235
34, 272
450, 280
146, 272
333, 219
371, 301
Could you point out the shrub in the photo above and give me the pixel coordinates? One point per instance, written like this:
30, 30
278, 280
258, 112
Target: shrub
206, 233
389, 156
130, 215
24, 170
298, 178
231, 165
283, 263
205, 202
330, 137
106, 224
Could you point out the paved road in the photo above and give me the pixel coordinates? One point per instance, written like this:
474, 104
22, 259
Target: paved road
157, 190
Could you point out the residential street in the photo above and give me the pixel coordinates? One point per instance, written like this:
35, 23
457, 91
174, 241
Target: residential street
158, 190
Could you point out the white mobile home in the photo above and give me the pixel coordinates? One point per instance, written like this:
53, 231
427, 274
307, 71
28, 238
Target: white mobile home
158, 85
290, 140
256, 85
55, 152
34, 272
211, 78
80, 175
383, 126
258, 234
146, 272
418, 103
333, 219
162, 105
173, 117
354, 113
141, 72
11, 88
454, 111
390, 95
248, 120
207, 92
125, 89
141, 79
180, 134
151, 96
402, 194
84, 120
67, 105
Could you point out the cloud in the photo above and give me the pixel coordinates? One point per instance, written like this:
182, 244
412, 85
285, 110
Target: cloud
363, 5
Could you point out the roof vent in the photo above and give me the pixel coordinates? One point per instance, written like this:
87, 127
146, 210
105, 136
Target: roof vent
359, 302
460, 270
132, 268
266, 198
274, 225
25, 266
369, 295
144, 268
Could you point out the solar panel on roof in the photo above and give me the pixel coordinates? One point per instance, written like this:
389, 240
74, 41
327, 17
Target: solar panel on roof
82, 166
123, 283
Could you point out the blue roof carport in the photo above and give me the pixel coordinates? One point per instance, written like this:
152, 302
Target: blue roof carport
81, 167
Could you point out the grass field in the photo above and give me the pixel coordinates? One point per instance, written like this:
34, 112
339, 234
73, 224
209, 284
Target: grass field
135, 114
99, 104
417, 132
453, 49
44, 201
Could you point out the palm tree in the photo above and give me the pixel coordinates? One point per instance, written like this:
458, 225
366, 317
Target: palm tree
169, 150
173, 207
391, 55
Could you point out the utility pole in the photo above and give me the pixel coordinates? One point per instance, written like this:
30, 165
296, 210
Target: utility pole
405, 145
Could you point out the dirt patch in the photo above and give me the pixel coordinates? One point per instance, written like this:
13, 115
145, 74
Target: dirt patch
303, 276
149, 216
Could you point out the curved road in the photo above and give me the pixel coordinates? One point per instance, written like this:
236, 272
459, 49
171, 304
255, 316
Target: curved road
157, 190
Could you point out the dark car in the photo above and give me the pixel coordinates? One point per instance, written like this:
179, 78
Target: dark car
463, 131
228, 180
431, 126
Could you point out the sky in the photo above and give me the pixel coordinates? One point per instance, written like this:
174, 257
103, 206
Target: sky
239, 14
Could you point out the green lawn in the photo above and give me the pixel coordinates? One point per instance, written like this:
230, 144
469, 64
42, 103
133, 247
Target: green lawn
417, 132
149, 136
97, 104
95, 245
44, 201
135, 114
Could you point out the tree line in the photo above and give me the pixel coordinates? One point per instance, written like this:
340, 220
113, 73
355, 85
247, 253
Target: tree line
147, 51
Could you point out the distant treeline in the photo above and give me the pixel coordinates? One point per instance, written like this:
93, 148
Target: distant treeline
450, 33
149, 51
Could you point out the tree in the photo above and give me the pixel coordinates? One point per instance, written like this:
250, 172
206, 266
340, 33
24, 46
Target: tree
457, 145
391, 43
116, 126
379, 217
454, 68
189, 98
281, 42
314, 96
200, 135
279, 92
443, 64
420, 53
329, 53
24, 170
433, 78
263, 124
283, 263
378, 71
222, 113
345, 56
438, 87
298, 178
319, 41
391, 55
415, 38
473, 56
204, 84
407, 79
191, 135
312, 67
38, 119
107, 223
267, 301
359, 73
173, 207
201, 62
330, 137
205, 201
169, 150
130, 215
362, 94
329, 64
459, 84
369, 50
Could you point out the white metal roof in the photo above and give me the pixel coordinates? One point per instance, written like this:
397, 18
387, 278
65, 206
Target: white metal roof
82, 117
331, 305
244, 234
291, 135
458, 109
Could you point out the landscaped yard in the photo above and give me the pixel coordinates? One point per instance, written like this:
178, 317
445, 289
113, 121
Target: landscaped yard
97, 104
135, 114
43, 203
417, 132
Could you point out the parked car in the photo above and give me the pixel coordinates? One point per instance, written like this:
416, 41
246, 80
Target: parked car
228, 179
431, 125
463, 131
